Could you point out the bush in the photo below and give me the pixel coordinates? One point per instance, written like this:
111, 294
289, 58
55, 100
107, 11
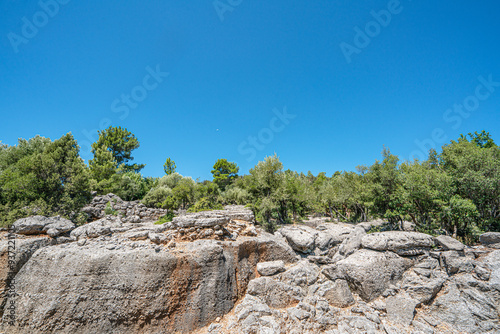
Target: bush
204, 204
156, 196
39, 176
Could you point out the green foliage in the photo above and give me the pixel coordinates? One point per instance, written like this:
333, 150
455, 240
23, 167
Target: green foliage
109, 210
166, 218
110, 170
120, 142
39, 176
204, 204
169, 166
224, 172
157, 196
236, 195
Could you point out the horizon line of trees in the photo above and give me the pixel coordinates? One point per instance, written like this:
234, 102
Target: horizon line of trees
456, 191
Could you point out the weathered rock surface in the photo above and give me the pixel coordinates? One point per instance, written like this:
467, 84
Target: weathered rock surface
449, 243
491, 239
302, 239
200, 274
53, 226
370, 273
399, 242
270, 268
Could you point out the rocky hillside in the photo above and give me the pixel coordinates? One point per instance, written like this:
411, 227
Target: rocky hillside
216, 272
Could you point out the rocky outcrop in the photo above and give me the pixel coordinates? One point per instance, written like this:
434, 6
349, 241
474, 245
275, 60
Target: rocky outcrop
490, 239
395, 282
131, 212
53, 226
217, 272
403, 243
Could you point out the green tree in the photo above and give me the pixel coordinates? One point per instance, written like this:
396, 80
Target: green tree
224, 172
169, 166
184, 192
39, 176
482, 139
120, 142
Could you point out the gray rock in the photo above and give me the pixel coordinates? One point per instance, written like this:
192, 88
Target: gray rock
422, 288
401, 309
14, 254
92, 289
449, 243
456, 262
302, 274
301, 239
158, 238
270, 268
95, 229
352, 243
490, 239
336, 293
450, 308
332, 234
273, 293
53, 226
397, 241
408, 226
369, 273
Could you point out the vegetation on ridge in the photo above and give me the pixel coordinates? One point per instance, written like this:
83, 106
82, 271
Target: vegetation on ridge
456, 191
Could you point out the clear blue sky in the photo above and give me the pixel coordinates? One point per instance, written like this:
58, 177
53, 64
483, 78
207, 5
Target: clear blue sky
71, 72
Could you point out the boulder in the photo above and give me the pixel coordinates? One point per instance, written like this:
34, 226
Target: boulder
273, 293
353, 242
422, 288
400, 242
95, 229
53, 226
401, 309
369, 273
14, 253
336, 293
491, 239
301, 239
302, 274
449, 243
456, 262
332, 234
270, 268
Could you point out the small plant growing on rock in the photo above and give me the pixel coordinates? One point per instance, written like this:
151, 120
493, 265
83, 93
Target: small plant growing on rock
109, 210
166, 218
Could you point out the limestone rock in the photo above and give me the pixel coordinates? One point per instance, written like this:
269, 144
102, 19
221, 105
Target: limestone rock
275, 294
449, 243
53, 226
456, 262
336, 293
300, 238
95, 229
397, 241
270, 268
491, 239
14, 254
401, 309
302, 274
369, 273
352, 242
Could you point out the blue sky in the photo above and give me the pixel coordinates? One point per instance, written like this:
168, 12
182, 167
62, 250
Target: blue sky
233, 66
